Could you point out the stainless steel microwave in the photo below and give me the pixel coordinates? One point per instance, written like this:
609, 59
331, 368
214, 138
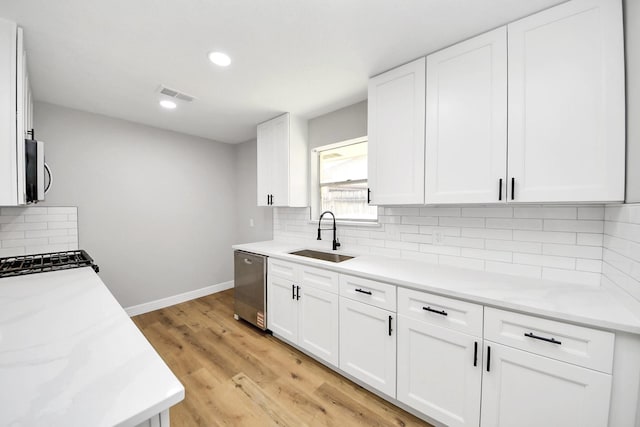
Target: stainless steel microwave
35, 169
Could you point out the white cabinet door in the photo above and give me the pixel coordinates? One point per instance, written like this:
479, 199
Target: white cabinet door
266, 160
396, 135
520, 389
368, 344
282, 162
282, 308
566, 104
280, 167
8, 136
466, 129
318, 323
439, 372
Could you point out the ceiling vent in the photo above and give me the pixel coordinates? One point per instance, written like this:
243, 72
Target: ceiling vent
172, 93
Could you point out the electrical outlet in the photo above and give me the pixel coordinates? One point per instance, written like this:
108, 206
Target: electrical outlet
438, 237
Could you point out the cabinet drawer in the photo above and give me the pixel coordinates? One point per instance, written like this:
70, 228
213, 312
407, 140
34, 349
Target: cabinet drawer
320, 279
581, 346
441, 311
378, 294
283, 269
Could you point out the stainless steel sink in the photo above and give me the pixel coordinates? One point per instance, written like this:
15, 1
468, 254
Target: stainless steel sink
325, 256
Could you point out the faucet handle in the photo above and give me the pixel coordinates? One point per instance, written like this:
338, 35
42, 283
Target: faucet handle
337, 244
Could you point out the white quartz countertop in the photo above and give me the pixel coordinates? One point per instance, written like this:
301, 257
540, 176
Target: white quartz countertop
582, 304
70, 356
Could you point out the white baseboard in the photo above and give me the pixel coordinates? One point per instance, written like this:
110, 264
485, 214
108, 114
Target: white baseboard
177, 299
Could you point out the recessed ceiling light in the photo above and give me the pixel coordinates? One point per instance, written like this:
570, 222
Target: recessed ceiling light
219, 58
169, 105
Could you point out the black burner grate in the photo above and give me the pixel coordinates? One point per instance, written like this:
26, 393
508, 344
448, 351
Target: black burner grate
40, 263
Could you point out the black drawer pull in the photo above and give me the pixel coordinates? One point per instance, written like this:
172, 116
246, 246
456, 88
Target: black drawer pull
475, 353
297, 293
362, 291
500, 189
293, 291
513, 188
390, 330
551, 340
368, 195
441, 312
488, 358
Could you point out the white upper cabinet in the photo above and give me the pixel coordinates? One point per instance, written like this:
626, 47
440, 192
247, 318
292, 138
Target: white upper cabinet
566, 104
396, 135
466, 128
282, 162
15, 114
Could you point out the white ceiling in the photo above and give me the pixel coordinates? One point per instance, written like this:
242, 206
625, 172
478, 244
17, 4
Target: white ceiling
307, 57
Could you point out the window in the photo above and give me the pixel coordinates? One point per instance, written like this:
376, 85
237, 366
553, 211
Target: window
342, 181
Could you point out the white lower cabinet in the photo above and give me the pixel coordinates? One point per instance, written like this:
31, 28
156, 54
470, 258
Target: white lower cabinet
318, 323
282, 308
299, 312
456, 362
439, 372
368, 344
521, 389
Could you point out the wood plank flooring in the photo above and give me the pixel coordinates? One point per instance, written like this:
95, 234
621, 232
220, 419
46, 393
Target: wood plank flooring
236, 375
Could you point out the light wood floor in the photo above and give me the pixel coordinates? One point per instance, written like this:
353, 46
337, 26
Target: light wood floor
236, 375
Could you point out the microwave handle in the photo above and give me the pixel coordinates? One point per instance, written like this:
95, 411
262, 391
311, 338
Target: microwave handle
48, 187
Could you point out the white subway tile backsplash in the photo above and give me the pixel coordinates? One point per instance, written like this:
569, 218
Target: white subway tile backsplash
591, 212
621, 248
544, 236
589, 239
21, 226
514, 246
486, 233
461, 222
515, 223
562, 241
36, 229
500, 212
487, 254
15, 243
11, 219
584, 226
592, 252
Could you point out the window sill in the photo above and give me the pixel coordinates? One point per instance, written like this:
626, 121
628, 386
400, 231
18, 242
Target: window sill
364, 224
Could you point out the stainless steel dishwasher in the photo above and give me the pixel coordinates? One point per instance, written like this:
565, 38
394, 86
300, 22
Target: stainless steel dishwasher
250, 288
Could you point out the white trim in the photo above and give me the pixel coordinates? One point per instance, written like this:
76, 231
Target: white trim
177, 299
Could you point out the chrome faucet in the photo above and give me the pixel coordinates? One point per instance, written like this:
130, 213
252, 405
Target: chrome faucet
336, 244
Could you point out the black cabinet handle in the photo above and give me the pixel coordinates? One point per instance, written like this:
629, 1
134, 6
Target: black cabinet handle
293, 291
513, 188
488, 358
551, 340
500, 189
272, 200
297, 293
390, 330
441, 312
268, 199
368, 195
362, 291
475, 353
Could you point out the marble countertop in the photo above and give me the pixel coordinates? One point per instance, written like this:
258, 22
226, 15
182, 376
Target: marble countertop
581, 304
70, 356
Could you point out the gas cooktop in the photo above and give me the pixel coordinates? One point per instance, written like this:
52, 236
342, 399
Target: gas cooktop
41, 263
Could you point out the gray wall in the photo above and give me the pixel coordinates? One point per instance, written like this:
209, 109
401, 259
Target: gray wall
156, 209
340, 125
632, 42
246, 208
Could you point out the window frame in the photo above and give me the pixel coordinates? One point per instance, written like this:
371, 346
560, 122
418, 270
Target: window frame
315, 190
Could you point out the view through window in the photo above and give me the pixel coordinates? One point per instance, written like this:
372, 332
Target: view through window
342, 173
